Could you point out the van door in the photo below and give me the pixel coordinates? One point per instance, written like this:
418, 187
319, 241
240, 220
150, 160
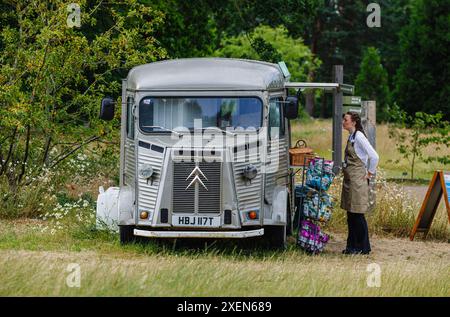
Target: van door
276, 167
129, 177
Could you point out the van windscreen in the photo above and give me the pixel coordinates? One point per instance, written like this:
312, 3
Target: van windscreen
163, 114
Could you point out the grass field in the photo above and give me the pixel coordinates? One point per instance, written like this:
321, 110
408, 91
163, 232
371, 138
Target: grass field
37, 264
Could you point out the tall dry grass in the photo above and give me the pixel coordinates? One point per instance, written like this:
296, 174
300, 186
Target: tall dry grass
318, 134
292, 274
395, 211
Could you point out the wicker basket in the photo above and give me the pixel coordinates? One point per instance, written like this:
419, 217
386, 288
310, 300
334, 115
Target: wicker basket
298, 153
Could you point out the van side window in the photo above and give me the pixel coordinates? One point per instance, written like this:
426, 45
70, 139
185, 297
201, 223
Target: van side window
276, 118
130, 118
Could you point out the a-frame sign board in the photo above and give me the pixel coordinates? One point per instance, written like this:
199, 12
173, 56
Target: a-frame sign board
439, 186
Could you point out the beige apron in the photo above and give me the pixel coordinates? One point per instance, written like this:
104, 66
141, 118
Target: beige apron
355, 188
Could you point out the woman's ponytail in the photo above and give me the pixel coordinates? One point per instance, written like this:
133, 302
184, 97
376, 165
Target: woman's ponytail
357, 119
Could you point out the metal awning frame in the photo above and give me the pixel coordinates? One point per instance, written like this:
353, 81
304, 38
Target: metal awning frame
344, 88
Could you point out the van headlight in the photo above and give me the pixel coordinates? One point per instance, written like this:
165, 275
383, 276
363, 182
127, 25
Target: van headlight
145, 171
250, 172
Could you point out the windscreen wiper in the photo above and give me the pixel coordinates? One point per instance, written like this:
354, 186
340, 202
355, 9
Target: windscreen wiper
162, 128
219, 129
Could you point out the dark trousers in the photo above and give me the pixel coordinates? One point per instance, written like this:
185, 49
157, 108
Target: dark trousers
358, 233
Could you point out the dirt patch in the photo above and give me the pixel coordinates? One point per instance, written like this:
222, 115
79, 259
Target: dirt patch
416, 192
396, 249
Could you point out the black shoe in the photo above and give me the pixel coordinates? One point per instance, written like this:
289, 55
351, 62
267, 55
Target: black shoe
353, 251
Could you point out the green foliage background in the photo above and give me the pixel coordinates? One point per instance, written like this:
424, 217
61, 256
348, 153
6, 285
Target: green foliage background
372, 82
272, 45
52, 78
422, 80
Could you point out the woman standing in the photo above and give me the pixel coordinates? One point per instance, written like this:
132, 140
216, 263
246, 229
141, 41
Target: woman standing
359, 165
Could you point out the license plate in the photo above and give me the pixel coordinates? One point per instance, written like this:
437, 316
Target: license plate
195, 221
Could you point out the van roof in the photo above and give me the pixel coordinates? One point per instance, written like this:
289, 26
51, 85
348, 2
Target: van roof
206, 74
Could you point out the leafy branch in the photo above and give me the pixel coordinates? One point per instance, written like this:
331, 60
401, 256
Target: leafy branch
415, 133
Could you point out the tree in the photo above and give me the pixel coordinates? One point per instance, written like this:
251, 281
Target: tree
422, 82
414, 133
236, 16
188, 28
335, 31
271, 45
302, 18
52, 78
395, 15
372, 82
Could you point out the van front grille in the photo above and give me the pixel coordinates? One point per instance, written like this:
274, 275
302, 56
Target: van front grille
183, 199
196, 198
209, 200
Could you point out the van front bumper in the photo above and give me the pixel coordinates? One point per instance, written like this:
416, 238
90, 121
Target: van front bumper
199, 234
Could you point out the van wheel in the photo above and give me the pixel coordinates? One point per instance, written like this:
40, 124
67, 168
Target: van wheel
275, 237
126, 234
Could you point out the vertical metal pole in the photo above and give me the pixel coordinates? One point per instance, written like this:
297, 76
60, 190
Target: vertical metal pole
369, 121
338, 77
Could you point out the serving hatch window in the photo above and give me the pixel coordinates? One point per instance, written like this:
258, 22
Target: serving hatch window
160, 113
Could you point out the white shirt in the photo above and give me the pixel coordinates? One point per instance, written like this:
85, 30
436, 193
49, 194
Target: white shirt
365, 151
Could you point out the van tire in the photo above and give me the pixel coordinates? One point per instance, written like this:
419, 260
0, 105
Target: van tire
275, 237
126, 234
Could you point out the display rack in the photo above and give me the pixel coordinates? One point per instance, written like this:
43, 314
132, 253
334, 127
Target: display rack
304, 190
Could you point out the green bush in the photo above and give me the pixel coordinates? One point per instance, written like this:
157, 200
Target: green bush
52, 187
52, 78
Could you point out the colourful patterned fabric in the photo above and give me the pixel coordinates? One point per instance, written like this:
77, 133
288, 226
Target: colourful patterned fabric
317, 206
320, 174
316, 165
310, 237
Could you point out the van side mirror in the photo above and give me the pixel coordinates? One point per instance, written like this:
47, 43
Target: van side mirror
107, 109
291, 107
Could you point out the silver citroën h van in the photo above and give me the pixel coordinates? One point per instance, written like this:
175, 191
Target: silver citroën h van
204, 152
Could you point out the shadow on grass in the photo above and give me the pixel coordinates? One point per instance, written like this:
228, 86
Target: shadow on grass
234, 248
255, 247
